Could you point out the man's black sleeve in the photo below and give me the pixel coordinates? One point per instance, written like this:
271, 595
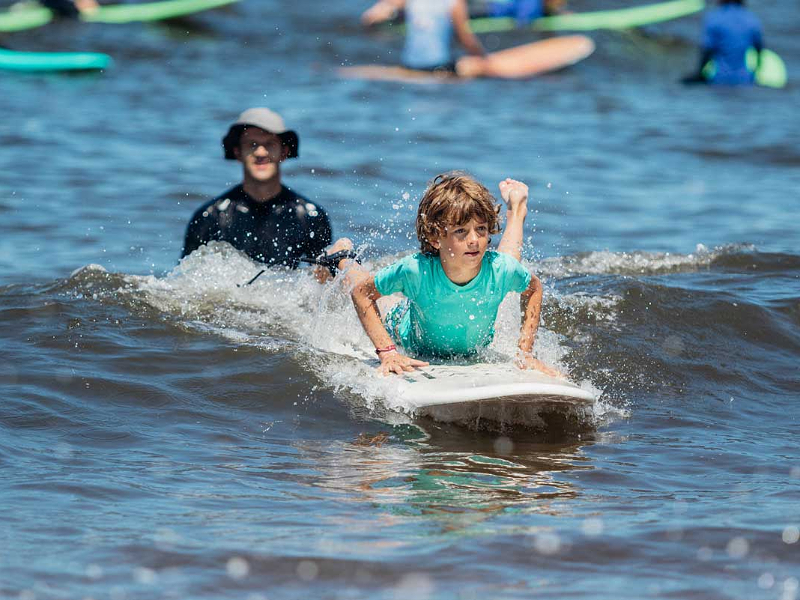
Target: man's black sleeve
320, 234
200, 231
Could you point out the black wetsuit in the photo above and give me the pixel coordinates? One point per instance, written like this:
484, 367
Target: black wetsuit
276, 232
63, 8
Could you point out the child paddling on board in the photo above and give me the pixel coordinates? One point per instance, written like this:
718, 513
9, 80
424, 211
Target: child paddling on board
455, 285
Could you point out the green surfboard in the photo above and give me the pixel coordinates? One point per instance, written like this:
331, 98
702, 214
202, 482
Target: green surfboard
14, 60
770, 73
28, 16
622, 18
152, 11
24, 17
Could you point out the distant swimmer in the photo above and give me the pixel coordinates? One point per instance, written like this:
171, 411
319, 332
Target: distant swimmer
454, 286
70, 8
260, 216
729, 31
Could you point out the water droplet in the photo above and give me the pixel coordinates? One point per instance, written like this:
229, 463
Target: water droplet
547, 543
94, 572
415, 585
738, 547
144, 576
503, 445
237, 568
766, 581
307, 570
791, 534
593, 526
704, 554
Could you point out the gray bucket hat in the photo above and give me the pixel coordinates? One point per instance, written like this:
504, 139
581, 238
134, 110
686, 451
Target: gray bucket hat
265, 119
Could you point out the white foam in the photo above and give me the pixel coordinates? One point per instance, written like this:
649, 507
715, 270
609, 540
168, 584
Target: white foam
633, 263
290, 311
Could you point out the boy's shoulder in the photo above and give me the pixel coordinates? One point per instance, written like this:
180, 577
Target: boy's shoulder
410, 265
494, 257
504, 265
415, 260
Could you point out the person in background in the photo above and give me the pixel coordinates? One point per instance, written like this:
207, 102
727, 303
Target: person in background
70, 8
729, 31
260, 216
430, 27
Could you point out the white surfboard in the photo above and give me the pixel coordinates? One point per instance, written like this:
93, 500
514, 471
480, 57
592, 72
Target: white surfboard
493, 396
438, 385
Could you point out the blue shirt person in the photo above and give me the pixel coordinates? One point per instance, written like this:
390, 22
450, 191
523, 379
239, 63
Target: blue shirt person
729, 31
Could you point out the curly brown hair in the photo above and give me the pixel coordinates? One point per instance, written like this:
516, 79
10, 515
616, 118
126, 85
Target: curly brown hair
453, 199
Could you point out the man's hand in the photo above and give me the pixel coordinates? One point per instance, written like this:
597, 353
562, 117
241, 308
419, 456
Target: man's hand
514, 193
322, 274
394, 362
339, 245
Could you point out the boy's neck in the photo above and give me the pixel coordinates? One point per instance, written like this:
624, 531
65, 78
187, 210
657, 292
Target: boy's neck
460, 275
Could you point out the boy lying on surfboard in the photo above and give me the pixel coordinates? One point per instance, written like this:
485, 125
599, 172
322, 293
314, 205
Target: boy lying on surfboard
455, 285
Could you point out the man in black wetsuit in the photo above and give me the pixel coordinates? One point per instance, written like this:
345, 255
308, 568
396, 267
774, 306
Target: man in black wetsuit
261, 216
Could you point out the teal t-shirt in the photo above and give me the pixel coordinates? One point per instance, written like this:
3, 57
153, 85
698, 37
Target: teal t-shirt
442, 318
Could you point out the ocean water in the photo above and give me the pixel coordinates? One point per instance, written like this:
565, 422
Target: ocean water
166, 433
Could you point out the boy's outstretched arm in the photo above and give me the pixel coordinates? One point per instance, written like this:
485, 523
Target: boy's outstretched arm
515, 194
531, 308
365, 294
